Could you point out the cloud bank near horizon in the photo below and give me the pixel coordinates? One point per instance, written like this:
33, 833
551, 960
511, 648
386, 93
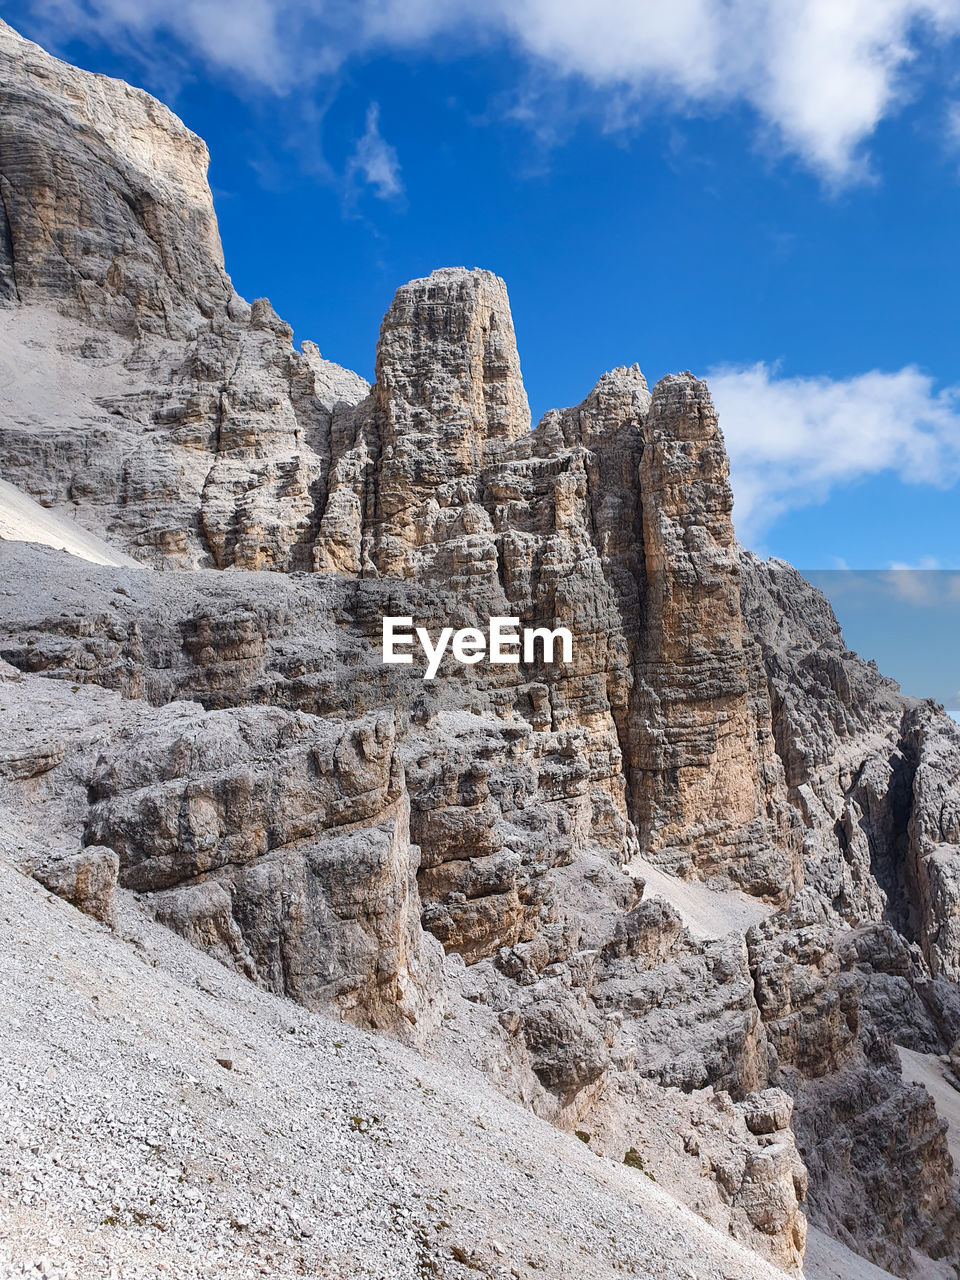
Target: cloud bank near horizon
819, 75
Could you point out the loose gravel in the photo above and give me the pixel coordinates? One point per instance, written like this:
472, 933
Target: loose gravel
160, 1116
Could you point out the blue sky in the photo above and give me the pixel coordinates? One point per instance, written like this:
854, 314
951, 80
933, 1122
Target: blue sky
907, 620
766, 192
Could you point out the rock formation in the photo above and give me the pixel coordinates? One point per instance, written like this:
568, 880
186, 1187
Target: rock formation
688, 890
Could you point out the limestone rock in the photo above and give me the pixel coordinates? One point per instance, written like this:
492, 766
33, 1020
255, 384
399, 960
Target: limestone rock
229, 747
281, 844
750, 1184
933, 831
449, 399
87, 878
90, 165
183, 426
881, 1178
708, 773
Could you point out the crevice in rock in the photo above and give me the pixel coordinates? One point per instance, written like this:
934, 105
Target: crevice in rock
8, 266
890, 865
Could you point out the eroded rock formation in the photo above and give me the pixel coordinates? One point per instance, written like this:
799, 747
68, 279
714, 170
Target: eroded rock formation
684, 893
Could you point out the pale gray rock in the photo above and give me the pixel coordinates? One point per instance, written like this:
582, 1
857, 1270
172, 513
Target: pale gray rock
87, 878
459, 857
187, 429
91, 166
700, 1144
131, 1152
449, 400
932, 873
282, 842
881, 1178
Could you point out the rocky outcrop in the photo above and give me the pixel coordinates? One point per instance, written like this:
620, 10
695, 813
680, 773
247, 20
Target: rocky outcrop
881, 1178
932, 871
709, 779
449, 400
106, 207
467, 852
275, 840
183, 424
750, 1180
280, 843
87, 878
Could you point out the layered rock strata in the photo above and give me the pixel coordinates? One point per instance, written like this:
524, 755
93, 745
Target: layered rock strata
473, 850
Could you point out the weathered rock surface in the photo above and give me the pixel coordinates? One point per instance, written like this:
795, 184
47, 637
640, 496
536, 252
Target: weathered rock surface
711, 788
280, 842
741, 1157
87, 878
323, 1148
183, 424
469, 850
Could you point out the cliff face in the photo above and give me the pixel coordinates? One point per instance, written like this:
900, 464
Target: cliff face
707, 870
211, 435
105, 203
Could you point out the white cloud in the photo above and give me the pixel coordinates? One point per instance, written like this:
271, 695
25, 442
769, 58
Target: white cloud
820, 74
374, 160
793, 441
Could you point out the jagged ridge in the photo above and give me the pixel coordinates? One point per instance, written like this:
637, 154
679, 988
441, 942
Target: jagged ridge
354, 839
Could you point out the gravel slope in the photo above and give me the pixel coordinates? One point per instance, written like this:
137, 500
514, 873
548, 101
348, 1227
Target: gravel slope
707, 912
828, 1259
928, 1069
129, 1151
24, 520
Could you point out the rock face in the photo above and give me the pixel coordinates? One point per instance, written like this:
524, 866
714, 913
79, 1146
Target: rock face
686, 891
449, 401
92, 166
87, 878
711, 788
212, 435
751, 1178
279, 842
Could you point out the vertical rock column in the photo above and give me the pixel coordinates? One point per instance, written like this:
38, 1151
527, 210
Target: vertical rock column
449, 401
707, 775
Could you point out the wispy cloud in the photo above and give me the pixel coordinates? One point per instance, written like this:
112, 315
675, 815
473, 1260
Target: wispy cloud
794, 441
951, 135
921, 584
819, 75
374, 161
